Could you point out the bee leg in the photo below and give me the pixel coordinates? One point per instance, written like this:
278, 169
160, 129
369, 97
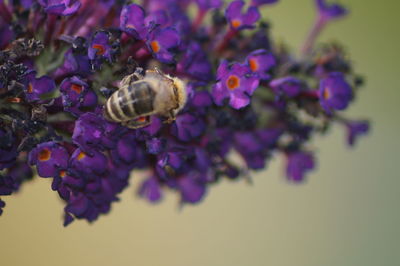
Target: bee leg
137, 75
137, 123
170, 118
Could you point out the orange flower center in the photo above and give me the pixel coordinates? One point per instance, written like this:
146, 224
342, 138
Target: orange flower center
81, 155
100, 49
30, 88
232, 82
155, 46
236, 23
77, 88
253, 64
44, 155
326, 94
63, 173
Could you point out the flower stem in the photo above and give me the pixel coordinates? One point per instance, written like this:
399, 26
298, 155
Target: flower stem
198, 20
227, 38
315, 31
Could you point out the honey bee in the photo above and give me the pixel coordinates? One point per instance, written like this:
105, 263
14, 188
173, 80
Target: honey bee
140, 96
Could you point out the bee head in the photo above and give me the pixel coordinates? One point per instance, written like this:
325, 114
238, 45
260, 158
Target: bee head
180, 90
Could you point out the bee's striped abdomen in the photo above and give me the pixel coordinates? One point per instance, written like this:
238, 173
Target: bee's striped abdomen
130, 102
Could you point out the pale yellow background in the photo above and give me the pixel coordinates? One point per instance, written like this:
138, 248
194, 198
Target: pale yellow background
347, 214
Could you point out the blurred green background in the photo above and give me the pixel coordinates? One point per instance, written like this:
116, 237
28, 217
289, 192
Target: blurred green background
347, 213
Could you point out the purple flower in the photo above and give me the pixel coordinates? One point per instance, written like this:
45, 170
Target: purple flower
99, 46
49, 157
132, 21
192, 188
251, 148
162, 43
298, 163
6, 34
208, 4
60, 7
38, 88
261, 62
288, 86
94, 163
150, 189
330, 11
126, 150
195, 63
239, 21
8, 149
188, 127
356, 129
2, 205
74, 64
236, 82
77, 98
334, 92
13, 177
262, 2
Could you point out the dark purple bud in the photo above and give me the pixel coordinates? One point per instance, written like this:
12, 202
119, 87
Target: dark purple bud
77, 205
150, 189
2, 205
126, 150
262, 2
334, 92
287, 86
208, 4
155, 145
356, 129
195, 63
8, 149
298, 164
330, 11
49, 157
74, 64
236, 82
60, 7
90, 133
192, 188
188, 127
6, 35
237, 20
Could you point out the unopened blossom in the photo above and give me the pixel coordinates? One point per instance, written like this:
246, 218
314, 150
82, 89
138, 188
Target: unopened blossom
355, 129
287, 86
298, 164
60, 7
328, 11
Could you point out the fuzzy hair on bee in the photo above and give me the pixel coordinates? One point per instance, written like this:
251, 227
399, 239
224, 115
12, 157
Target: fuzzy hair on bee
141, 96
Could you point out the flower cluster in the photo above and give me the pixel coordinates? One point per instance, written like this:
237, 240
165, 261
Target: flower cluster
248, 99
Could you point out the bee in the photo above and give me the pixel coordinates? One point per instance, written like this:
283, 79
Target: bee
141, 96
